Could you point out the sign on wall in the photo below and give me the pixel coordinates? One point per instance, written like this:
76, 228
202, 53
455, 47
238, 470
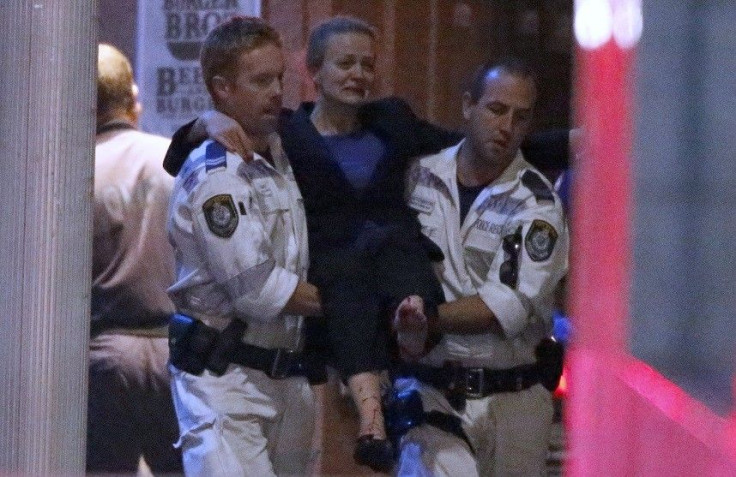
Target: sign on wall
170, 34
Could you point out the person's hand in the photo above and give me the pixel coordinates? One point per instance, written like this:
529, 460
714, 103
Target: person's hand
578, 146
575, 136
410, 324
227, 131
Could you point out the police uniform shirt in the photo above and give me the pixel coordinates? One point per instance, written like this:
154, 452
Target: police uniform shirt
519, 205
239, 232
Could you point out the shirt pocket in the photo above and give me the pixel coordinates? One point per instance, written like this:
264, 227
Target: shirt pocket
481, 247
270, 199
273, 204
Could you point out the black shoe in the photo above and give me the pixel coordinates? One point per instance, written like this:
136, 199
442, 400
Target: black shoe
378, 454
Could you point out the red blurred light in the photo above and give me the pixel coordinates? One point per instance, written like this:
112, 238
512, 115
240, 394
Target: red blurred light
561, 391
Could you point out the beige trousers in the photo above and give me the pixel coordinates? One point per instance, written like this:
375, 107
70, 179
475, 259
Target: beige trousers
130, 413
243, 423
509, 433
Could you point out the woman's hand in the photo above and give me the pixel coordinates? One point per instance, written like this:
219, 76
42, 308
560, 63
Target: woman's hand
227, 131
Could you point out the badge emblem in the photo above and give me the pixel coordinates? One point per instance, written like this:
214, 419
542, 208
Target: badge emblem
221, 216
540, 240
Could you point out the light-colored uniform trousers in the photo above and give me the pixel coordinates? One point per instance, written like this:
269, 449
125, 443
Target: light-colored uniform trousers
240, 238
509, 432
244, 423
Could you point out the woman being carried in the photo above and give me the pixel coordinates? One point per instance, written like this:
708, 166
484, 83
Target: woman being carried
366, 249
367, 254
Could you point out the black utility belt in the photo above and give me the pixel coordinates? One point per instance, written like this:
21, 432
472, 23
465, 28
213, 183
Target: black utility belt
473, 383
459, 383
151, 326
195, 347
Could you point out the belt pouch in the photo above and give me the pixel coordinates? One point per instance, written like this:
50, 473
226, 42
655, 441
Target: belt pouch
455, 391
550, 354
191, 343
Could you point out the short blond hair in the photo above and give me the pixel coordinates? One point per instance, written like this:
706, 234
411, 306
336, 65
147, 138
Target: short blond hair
115, 95
228, 40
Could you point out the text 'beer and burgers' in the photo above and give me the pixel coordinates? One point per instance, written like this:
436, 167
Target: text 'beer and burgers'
181, 90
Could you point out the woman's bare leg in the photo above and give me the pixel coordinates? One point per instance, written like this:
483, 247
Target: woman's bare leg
366, 391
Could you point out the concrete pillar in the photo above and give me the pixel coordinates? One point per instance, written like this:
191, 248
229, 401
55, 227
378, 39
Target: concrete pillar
47, 101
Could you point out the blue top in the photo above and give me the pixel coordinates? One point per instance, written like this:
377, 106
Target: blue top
357, 154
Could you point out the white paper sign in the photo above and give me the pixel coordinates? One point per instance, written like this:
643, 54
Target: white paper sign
170, 35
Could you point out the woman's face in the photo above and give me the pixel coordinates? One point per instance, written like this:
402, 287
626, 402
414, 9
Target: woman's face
348, 70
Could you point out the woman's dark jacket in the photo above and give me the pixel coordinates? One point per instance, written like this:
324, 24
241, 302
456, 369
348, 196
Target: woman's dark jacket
336, 212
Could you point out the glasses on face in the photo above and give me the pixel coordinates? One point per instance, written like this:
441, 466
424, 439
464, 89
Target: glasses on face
509, 271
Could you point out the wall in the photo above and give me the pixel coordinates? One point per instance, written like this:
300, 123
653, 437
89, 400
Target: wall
428, 48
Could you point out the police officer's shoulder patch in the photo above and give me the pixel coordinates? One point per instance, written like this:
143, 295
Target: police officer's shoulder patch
540, 240
221, 216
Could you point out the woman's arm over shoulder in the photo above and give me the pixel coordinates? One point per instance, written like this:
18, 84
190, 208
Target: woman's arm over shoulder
548, 149
395, 117
181, 145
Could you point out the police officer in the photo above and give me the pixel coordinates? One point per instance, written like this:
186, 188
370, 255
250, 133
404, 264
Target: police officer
503, 234
244, 407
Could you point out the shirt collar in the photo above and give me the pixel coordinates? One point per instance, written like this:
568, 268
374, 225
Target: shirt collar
114, 125
447, 170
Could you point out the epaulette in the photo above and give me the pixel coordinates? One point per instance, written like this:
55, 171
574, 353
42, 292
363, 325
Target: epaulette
423, 175
534, 183
214, 156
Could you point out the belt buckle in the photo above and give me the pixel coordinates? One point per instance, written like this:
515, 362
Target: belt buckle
282, 363
474, 383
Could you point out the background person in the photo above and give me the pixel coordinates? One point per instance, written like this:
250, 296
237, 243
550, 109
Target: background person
130, 413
